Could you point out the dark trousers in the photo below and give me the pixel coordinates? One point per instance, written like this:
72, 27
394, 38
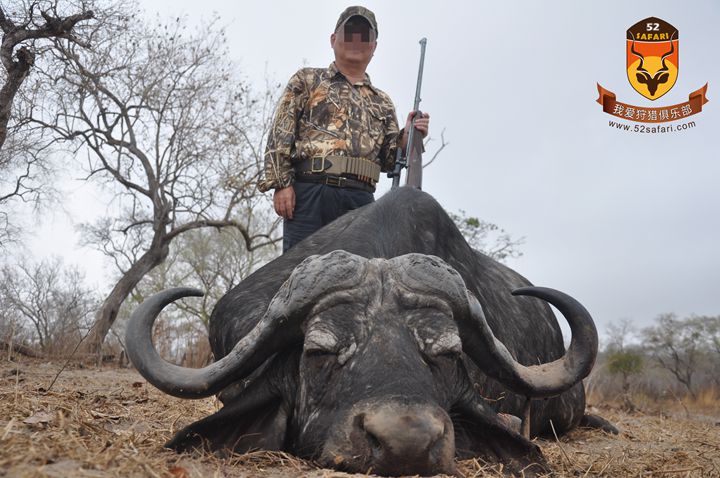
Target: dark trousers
317, 205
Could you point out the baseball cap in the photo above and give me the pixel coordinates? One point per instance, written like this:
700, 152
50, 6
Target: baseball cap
360, 11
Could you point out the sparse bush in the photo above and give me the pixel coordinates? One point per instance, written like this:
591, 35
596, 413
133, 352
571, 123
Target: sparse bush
625, 363
671, 362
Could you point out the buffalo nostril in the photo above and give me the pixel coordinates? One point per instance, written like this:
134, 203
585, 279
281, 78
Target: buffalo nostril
375, 444
402, 434
399, 439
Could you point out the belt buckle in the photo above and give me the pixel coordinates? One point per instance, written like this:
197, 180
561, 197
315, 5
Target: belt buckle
313, 169
337, 181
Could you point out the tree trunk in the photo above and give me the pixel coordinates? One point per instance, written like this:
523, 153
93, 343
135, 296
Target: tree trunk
111, 305
15, 78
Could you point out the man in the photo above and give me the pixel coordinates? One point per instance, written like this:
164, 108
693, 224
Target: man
333, 134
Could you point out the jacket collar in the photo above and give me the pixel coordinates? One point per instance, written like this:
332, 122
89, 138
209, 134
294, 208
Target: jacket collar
332, 71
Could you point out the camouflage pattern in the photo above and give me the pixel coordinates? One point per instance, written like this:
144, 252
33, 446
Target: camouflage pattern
321, 113
362, 11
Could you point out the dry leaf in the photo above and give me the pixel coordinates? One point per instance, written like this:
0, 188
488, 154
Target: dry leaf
39, 417
179, 472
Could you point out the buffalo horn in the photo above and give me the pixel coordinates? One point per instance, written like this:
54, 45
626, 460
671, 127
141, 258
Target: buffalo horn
248, 353
542, 380
279, 327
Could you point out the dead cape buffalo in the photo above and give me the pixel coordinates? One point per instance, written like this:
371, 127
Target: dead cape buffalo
383, 342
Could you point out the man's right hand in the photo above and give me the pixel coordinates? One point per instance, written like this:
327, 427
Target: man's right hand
284, 202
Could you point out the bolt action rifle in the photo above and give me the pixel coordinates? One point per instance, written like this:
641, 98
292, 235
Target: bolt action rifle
412, 156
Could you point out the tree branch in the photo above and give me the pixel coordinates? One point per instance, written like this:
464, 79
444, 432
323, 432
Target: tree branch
18, 69
443, 144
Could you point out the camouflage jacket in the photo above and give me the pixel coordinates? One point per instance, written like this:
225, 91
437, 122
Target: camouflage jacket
322, 113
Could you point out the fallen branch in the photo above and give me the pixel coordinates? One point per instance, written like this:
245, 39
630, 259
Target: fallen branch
21, 349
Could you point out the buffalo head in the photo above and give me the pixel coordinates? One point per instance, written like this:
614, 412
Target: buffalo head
361, 364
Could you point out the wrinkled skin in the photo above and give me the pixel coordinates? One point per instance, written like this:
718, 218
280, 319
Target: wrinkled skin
380, 374
378, 378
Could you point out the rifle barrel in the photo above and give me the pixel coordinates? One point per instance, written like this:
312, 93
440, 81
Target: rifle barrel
413, 149
401, 160
418, 87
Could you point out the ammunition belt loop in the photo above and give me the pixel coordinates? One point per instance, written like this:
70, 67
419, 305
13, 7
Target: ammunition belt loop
364, 169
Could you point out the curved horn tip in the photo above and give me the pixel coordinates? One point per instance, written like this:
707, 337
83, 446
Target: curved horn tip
189, 291
534, 291
559, 299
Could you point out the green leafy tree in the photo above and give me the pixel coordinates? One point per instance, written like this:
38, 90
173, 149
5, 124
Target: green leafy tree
487, 237
625, 364
624, 359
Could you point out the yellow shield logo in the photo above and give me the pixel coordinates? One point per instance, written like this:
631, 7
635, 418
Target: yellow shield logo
652, 57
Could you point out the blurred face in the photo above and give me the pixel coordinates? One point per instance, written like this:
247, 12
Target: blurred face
354, 41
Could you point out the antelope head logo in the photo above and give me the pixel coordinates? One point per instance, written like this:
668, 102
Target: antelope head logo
660, 76
653, 76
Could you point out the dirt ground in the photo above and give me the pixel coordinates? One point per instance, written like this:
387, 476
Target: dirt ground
107, 422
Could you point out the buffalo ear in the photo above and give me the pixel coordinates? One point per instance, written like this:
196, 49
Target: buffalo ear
237, 428
480, 433
254, 417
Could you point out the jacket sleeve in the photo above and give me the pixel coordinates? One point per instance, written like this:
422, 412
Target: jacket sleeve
391, 141
278, 171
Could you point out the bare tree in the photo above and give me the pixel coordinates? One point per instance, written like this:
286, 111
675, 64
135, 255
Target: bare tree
48, 300
170, 130
711, 334
25, 180
22, 26
620, 335
28, 31
212, 260
677, 346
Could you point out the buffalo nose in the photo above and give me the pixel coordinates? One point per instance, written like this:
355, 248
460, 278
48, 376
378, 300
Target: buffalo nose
403, 433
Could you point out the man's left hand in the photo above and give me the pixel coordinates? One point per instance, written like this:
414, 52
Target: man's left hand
421, 122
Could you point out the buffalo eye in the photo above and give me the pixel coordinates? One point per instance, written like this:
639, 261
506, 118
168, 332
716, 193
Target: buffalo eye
312, 352
448, 354
447, 345
320, 343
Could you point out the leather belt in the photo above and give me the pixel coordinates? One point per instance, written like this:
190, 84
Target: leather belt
363, 169
334, 180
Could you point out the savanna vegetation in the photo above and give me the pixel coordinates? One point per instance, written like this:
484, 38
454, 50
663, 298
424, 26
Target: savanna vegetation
151, 112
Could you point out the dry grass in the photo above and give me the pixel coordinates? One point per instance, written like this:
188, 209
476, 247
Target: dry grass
108, 422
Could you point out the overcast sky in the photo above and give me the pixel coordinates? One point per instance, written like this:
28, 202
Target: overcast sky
627, 223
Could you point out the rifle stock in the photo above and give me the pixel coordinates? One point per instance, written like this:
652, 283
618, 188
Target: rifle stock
414, 162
